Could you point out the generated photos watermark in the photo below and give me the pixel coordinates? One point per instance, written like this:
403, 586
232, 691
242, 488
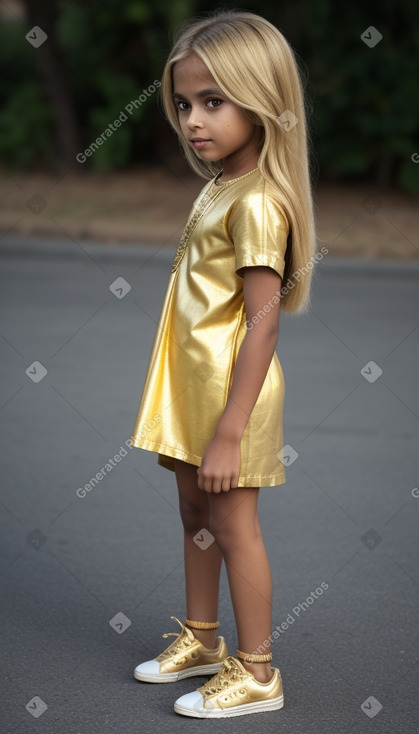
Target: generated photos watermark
129, 109
291, 617
112, 462
289, 285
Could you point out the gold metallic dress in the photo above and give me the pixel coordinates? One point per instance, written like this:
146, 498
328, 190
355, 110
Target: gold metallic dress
232, 225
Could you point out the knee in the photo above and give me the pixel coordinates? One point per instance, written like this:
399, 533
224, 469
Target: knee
194, 515
224, 534
231, 535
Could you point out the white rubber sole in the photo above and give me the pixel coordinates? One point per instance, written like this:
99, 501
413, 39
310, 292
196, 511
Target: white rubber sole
187, 673
246, 708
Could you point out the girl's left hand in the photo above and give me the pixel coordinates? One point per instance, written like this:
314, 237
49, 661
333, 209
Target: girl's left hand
220, 468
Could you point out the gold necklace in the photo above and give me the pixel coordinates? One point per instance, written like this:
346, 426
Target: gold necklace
203, 204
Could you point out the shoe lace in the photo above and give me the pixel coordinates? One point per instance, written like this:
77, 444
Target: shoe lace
228, 674
182, 644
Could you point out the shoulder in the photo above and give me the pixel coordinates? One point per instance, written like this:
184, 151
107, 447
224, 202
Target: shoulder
257, 203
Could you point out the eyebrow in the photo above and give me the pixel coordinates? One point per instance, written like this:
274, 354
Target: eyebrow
201, 93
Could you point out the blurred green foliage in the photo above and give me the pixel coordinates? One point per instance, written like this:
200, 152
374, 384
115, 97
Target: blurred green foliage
25, 133
362, 102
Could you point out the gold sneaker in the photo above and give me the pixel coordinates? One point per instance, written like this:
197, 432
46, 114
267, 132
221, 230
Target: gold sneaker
232, 692
186, 656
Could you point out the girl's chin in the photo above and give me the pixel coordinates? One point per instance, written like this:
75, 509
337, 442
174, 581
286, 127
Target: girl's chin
205, 154
208, 158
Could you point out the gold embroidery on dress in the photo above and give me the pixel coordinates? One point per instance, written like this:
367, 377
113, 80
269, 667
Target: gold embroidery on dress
203, 205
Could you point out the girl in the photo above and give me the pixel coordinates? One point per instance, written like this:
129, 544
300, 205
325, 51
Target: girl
212, 402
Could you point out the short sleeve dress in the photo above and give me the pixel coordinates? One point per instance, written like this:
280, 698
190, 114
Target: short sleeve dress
232, 225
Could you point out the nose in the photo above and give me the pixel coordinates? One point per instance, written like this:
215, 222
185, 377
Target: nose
193, 119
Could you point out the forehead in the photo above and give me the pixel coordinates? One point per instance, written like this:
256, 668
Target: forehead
191, 73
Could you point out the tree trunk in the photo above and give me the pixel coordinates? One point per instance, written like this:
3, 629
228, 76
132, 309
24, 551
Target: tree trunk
48, 55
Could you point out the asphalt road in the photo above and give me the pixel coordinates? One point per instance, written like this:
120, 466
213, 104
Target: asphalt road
90, 580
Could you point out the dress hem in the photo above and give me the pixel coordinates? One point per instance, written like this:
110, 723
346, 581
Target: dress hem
168, 453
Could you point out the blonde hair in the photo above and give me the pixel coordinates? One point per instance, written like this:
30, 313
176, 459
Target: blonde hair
255, 67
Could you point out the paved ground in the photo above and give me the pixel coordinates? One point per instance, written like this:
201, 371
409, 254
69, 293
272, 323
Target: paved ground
89, 583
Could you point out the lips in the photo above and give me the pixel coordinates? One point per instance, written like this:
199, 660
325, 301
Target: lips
199, 143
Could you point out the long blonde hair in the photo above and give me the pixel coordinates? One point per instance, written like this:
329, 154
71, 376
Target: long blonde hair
255, 67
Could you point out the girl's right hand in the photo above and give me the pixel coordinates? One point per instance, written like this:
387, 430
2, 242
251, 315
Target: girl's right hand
220, 467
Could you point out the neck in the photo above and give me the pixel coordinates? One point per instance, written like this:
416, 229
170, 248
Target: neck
239, 166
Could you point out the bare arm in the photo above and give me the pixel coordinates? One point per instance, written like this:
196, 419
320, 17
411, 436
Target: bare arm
220, 466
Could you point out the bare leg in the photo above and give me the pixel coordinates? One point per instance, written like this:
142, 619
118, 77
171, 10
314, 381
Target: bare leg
202, 567
234, 523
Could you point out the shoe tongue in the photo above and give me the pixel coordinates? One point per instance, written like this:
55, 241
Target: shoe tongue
189, 633
184, 628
